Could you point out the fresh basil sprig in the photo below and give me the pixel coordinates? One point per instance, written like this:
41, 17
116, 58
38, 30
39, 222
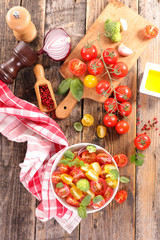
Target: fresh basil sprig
82, 209
114, 175
137, 159
64, 86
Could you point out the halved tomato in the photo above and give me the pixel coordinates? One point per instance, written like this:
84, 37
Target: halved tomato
72, 201
89, 157
104, 158
63, 191
99, 204
64, 168
77, 174
121, 196
103, 172
108, 193
121, 160
99, 187
56, 177
77, 67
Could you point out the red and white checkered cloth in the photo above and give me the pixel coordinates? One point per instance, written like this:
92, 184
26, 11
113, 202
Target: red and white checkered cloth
21, 121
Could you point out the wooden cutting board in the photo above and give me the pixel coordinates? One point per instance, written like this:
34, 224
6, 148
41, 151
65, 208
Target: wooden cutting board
132, 38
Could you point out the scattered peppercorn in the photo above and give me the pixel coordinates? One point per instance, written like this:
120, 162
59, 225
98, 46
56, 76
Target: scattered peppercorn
46, 97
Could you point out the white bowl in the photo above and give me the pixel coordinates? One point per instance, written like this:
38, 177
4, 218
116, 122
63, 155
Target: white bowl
74, 148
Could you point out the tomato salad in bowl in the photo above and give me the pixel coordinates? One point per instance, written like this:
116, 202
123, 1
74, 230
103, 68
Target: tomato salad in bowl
84, 178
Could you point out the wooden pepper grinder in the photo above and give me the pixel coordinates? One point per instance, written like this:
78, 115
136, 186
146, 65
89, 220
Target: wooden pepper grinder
44, 91
19, 20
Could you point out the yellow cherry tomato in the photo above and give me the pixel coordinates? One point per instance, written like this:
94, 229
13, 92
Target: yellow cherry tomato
109, 167
90, 192
101, 131
111, 183
85, 168
66, 178
77, 193
90, 81
92, 175
87, 120
96, 167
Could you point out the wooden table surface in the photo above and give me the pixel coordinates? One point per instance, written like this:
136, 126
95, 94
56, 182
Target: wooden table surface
139, 217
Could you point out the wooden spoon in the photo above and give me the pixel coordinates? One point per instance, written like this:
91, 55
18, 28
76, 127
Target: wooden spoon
42, 81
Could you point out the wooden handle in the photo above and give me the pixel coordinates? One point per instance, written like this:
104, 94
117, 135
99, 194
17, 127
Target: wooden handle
39, 72
66, 106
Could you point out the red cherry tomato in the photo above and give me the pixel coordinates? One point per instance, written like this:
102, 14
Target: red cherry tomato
121, 160
142, 141
103, 87
110, 105
150, 31
123, 93
56, 177
77, 67
103, 172
125, 108
110, 56
99, 204
121, 196
108, 193
99, 187
77, 174
110, 120
104, 158
63, 191
120, 69
72, 201
89, 53
64, 168
95, 66
88, 157
122, 127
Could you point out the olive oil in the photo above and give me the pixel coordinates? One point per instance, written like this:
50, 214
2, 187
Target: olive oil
153, 81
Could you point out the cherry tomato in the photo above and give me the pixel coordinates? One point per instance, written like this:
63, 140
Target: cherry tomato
122, 127
101, 131
77, 174
104, 158
64, 168
87, 120
123, 93
72, 201
89, 157
103, 87
99, 204
110, 105
120, 69
89, 52
95, 66
121, 196
110, 120
99, 187
77, 67
63, 191
125, 108
108, 193
150, 31
56, 177
142, 141
110, 56
121, 160
103, 172
90, 81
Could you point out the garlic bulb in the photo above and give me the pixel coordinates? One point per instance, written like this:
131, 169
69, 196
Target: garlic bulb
124, 51
124, 24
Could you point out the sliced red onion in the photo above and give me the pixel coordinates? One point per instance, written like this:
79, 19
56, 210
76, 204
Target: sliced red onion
81, 150
57, 44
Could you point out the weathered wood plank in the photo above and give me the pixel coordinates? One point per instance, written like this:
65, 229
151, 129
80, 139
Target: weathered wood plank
147, 180
69, 15
115, 221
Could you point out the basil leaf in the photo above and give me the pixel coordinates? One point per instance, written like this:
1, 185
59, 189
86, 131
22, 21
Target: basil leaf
97, 199
86, 201
76, 88
78, 126
59, 185
140, 155
64, 86
124, 179
82, 212
133, 158
114, 174
139, 162
69, 154
91, 148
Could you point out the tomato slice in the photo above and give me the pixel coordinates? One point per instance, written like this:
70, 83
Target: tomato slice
99, 204
121, 160
121, 196
103, 172
63, 191
108, 193
72, 201
77, 174
99, 187
89, 157
77, 67
64, 168
101, 131
104, 158
87, 120
150, 31
56, 177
